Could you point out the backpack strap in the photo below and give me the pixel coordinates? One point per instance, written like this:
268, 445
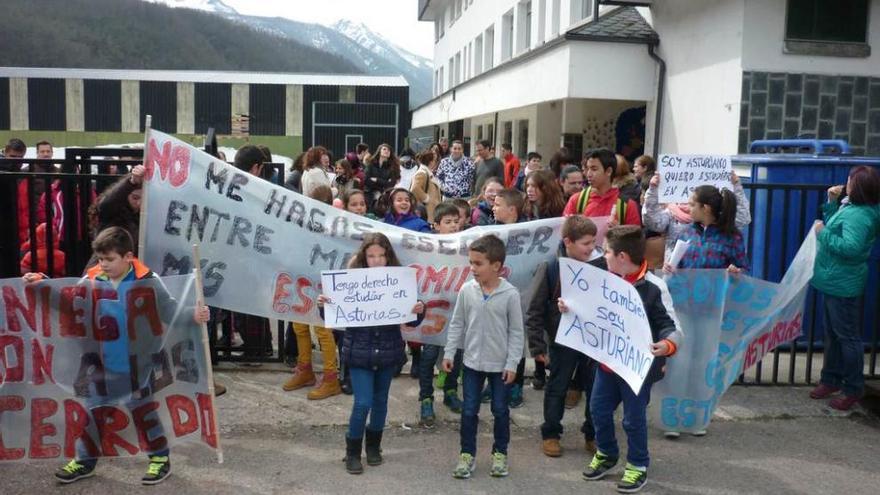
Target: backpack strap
583, 199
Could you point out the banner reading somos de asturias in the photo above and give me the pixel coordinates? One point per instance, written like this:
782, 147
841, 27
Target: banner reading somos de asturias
263, 247
87, 370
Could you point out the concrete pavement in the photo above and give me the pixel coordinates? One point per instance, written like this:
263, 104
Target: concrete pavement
762, 440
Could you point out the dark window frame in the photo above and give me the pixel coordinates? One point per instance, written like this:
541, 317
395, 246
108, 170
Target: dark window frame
815, 45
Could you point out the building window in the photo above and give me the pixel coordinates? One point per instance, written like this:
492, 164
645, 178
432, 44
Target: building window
478, 55
440, 82
580, 10
457, 68
821, 27
524, 26
507, 36
451, 72
554, 18
542, 20
489, 58
522, 141
507, 133
490, 133
479, 133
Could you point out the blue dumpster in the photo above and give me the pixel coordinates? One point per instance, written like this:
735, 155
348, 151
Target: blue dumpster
787, 189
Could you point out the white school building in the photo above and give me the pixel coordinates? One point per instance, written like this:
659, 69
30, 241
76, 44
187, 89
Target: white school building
670, 76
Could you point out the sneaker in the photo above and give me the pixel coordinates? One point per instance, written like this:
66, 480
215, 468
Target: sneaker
158, 470
671, 435
499, 465
486, 396
465, 467
451, 400
599, 466
844, 402
572, 398
823, 391
633, 479
699, 433
74, 471
516, 396
426, 413
551, 447
539, 382
440, 381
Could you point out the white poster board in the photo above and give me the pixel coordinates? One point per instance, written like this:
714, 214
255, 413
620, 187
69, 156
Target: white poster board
369, 296
606, 320
681, 174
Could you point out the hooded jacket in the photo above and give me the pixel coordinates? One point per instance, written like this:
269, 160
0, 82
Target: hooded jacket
844, 246
489, 329
408, 221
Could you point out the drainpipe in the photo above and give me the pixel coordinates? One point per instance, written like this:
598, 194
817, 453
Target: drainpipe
658, 111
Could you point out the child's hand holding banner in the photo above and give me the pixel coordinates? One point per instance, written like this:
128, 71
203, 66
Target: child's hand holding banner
369, 296
605, 320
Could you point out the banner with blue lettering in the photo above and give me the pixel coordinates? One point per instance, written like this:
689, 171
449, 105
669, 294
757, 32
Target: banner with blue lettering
730, 322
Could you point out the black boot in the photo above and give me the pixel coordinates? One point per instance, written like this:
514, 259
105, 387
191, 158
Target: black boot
374, 447
353, 447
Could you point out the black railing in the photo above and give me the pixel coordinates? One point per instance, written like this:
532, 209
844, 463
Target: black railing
782, 215
72, 185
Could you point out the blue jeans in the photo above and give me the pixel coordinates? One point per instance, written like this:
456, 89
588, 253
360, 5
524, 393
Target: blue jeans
609, 390
472, 387
118, 394
563, 361
370, 397
844, 351
430, 353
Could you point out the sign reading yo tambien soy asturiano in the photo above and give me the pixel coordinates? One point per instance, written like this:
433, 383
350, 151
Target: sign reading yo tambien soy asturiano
606, 320
681, 174
369, 296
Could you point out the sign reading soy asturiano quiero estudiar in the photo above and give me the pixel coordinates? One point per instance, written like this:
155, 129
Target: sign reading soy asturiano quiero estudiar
681, 174
606, 320
369, 296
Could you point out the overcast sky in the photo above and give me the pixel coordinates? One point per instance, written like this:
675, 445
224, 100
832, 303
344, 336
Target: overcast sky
396, 20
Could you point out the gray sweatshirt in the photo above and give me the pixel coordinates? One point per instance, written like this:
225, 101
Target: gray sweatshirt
490, 331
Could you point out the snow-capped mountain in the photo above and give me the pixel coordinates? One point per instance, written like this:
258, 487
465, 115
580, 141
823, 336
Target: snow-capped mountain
215, 6
352, 41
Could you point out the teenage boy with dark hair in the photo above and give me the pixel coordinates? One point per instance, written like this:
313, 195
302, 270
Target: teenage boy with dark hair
487, 166
601, 198
578, 242
487, 324
533, 164
511, 165
118, 266
625, 256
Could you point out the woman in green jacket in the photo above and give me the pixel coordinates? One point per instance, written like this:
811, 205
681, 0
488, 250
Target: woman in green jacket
845, 240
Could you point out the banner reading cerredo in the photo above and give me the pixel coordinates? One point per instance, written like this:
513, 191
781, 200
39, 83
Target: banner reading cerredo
369, 296
680, 174
264, 247
730, 323
606, 320
89, 370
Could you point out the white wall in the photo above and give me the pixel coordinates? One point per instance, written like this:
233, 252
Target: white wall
482, 14
701, 42
544, 78
764, 32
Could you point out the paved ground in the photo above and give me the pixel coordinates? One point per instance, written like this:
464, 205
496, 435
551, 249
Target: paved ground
763, 439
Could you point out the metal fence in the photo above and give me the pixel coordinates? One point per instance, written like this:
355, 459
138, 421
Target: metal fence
782, 214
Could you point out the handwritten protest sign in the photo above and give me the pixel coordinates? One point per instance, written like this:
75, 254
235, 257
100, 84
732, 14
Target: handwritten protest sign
606, 320
89, 370
274, 243
730, 323
680, 174
369, 296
